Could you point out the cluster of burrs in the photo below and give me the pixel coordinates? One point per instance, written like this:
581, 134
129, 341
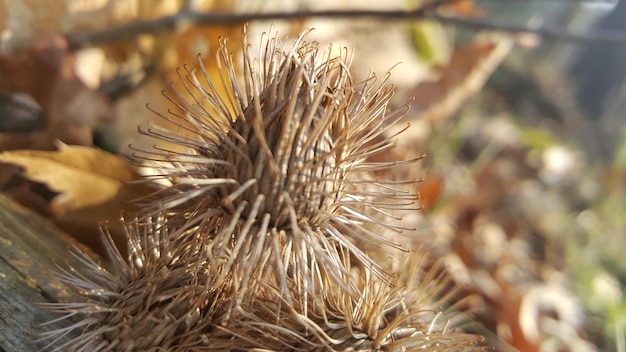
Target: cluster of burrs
254, 241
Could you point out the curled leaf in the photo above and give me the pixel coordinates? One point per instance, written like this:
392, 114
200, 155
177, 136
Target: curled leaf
78, 187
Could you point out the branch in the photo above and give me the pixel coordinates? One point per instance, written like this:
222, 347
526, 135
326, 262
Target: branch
428, 11
169, 23
547, 32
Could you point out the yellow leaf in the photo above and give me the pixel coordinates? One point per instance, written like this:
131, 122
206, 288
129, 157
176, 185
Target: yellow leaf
78, 187
85, 158
81, 187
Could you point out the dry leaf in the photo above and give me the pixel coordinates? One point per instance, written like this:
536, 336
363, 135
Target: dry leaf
88, 159
83, 187
30, 193
78, 187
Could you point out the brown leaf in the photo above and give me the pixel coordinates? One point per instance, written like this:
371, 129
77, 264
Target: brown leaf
78, 187
46, 73
30, 193
84, 187
88, 159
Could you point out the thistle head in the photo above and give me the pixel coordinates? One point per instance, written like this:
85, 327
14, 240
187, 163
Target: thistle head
152, 300
285, 157
254, 242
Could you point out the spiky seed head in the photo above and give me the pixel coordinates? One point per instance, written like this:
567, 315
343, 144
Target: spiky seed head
283, 158
260, 222
412, 315
151, 301
163, 298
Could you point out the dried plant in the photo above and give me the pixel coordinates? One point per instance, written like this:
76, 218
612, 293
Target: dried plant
163, 298
411, 315
152, 299
254, 243
284, 159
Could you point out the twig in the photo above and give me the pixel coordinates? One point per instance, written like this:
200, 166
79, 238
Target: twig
169, 23
548, 32
131, 30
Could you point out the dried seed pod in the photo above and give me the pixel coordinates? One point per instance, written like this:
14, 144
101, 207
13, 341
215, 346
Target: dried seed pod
156, 298
250, 244
163, 298
410, 316
283, 159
